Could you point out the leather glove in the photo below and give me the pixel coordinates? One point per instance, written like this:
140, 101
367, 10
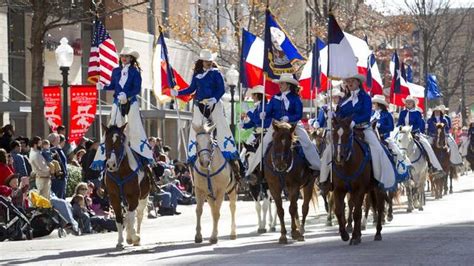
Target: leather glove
285, 119
262, 115
174, 92
122, 97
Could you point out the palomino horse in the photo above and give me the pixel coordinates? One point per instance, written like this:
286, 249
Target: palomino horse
258, 188
352, 173
415, 186
213, 178
441, 149
285, 166
126, 183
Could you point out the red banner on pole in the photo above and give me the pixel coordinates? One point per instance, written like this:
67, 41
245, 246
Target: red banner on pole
82, 112
52, 106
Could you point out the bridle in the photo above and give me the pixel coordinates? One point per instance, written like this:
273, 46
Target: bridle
210, 150
285, 156
119, 153
346, 147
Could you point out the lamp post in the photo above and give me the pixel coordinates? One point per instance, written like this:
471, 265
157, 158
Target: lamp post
64, 58
232, 77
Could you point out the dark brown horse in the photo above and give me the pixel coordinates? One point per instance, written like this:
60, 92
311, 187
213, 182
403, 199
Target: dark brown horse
352, 173
285, 167
441, 149
126, 183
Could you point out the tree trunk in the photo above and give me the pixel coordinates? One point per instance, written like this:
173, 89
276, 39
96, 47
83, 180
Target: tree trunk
37, 68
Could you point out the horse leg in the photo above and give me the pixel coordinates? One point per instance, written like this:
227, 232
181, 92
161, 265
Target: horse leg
232, 206
116, 206
357, 199
142, 204
200, 198
276, 193
265, 208
390, 206
293, 195
132, 237
367, 201
272, 216
258, 208
380, 203
215, 209
330, 209
452, 174
308, 195
339, 195
410, 196
350, 203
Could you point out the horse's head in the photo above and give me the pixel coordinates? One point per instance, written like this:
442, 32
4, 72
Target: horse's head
440, 138
283, 138
343, 137
204, 143
404, 138
115, 141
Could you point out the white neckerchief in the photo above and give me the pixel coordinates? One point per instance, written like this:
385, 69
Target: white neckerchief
375, 116
285, 100
202, 75
256, 105
407, 118
354, 97
438, 119
124, 75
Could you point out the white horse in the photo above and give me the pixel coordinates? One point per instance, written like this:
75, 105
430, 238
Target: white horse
416, 184
213, 178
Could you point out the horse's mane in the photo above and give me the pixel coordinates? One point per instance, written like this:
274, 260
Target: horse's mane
287, 126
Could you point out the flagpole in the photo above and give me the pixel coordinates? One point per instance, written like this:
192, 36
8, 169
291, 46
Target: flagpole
329, 121
95, 3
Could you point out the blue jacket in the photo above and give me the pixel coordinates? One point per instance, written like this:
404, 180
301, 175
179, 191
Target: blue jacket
207, 85
385, 124
415, 119
19, 164
322, 116
448, 119
432, 125
132, 87
360, 112
276, 108
255, 120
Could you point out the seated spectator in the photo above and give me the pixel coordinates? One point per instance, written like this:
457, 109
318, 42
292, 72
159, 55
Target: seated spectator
6, 169
65, 209
101, 204
19, 191
40, 168
186, 181
81, 213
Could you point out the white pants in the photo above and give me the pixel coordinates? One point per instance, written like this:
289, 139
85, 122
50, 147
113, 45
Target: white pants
224, 136
309, 149
429, 150
43, 184
134, 131
454, 154
381, 164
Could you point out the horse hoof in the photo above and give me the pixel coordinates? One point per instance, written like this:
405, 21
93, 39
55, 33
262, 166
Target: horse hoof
119, 246
355, 242
295, 235
261, 230
198, 239
328, 223
213, 240
129, 241
420, 209
283, 240
272, 229
344, 236
349, 228
300, 238
363, 227
450, 191
389, 217
409, 210
233, 237
378, 237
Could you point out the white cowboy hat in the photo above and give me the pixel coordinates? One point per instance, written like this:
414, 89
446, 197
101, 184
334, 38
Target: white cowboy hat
336, 83
288, 78
256, 89
437, 108
380, 99
360, 77
410, 98
129, 51
338, 93
443, 108
207, 55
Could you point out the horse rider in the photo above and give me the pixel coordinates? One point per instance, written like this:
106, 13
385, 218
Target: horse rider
287, 106
358, 105
321, 120
208, 87
411, 116
126, 82
439, 116
252, 117
384, 124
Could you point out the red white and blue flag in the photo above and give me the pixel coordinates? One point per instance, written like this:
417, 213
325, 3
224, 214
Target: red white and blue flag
312, 78
103, 56
373, 83
251, 64
164, 75
399, 89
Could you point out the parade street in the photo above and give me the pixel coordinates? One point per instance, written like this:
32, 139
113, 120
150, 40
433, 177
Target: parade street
442, 234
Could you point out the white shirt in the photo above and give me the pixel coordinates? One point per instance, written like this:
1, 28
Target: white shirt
286, 102
38, 164
354, 97
124, 75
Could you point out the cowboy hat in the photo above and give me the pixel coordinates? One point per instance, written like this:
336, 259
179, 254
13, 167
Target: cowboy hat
207, 55
256, 89
338, 92
380, 99
129, 51
288, 78
437, 108
410, 98
443, 108
359, 77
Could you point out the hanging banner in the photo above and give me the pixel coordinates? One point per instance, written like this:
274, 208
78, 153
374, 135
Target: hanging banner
82, 111
52, 106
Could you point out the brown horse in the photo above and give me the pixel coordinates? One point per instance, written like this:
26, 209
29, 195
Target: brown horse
352, 173
441, 149
126, 183
285, 167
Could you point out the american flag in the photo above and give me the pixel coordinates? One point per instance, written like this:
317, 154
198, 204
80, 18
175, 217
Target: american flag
103, 57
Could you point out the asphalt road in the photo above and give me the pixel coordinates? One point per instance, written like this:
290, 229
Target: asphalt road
442, 234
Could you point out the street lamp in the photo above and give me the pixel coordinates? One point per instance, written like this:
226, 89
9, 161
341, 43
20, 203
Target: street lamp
64, 58
232, 77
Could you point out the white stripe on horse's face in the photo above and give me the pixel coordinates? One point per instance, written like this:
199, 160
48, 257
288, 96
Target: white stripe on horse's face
114, 138
112, 163
340, 132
